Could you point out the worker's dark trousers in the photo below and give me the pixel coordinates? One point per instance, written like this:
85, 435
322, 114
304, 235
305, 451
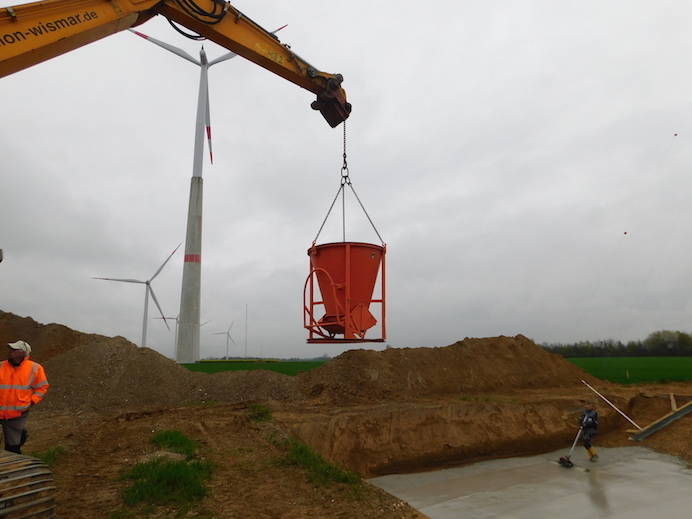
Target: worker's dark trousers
14, 431
587, 435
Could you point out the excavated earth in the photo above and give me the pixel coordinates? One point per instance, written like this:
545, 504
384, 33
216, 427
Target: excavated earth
373, 413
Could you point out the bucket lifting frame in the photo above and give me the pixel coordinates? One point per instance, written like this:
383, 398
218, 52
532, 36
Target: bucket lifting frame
347, 287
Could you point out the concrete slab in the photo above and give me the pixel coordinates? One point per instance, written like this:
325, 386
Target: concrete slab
626, 482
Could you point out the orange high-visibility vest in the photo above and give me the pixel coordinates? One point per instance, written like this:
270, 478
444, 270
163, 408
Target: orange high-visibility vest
20, 387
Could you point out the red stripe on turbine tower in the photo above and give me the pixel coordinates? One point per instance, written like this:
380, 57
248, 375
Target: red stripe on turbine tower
193, 258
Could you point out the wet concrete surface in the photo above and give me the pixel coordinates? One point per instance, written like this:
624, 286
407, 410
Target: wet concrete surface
626, 482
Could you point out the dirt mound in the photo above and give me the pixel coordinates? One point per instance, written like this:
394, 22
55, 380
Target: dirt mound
93, 372
468, 366
114, 374
90, 372
46, 340
247, 386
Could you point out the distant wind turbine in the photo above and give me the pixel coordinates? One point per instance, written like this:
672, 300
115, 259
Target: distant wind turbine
147, 290
229, 338
190, 294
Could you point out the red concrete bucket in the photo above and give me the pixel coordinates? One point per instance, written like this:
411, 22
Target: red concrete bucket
346, 274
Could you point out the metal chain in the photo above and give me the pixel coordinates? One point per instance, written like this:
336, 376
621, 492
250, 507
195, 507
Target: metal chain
345, 179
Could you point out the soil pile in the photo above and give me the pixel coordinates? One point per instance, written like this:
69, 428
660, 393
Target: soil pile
468, 366
90, 372
114, 374
93, 372
46, 340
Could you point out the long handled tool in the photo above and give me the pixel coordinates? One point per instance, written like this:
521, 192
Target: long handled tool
565, 461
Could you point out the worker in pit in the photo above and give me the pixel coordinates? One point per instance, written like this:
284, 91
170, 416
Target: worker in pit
589, 426
23, 384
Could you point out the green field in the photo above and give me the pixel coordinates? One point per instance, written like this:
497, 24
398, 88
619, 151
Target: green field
632, 370
285, 367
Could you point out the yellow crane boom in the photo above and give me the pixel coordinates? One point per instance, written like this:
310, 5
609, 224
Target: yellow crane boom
38, 31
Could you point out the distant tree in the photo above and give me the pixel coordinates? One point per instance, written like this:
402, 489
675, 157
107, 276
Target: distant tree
667, 342
659, 343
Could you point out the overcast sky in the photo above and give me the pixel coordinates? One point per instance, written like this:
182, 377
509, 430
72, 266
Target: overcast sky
503, 149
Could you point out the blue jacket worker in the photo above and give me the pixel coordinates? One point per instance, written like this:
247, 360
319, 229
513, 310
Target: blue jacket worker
589, 425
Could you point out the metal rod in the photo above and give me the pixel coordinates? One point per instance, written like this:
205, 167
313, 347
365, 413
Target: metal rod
611, 405
328, 213
574, 444
366, 214
343, 214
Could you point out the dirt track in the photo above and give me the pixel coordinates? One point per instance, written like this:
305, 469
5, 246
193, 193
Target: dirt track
370, 412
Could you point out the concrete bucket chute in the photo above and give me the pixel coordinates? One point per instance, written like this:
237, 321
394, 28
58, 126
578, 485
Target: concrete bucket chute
346, 274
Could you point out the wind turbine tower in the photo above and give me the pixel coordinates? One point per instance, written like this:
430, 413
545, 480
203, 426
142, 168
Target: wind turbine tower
187, 344
175, 335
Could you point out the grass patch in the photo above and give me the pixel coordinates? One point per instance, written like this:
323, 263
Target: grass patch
320, 471
634, 370
50, 456
175, 441
259, 413
164, 482
284, 367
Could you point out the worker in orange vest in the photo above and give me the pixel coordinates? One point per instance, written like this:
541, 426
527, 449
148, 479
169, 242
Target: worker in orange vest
23, 384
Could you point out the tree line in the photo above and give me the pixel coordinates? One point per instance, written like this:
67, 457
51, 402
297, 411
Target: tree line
663, 343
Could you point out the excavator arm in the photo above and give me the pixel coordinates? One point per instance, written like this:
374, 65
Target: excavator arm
35, 32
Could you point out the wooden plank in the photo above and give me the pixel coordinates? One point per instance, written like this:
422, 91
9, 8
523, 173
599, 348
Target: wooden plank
673, 403
663, 422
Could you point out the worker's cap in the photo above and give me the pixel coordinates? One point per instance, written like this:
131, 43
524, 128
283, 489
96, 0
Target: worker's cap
20, 345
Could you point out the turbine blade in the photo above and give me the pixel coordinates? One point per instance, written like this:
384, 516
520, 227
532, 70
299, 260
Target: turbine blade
234, 343
164, 263
225, 57
219, 333
171, 48
208, 125
156, 301
124, 280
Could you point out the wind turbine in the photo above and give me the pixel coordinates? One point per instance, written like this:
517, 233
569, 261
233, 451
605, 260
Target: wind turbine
147, 290
229, 339
187, 350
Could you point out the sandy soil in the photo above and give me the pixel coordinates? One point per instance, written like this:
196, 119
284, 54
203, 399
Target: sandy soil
370, 412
